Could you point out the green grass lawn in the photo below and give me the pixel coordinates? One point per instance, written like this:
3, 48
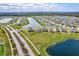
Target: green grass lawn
1, 50
22, 24
44, 39
4, 38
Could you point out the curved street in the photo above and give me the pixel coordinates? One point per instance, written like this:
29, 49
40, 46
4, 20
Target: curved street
18, 47
23, 41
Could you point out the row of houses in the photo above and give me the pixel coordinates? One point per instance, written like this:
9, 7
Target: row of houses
54, 20
20, 20
53, 29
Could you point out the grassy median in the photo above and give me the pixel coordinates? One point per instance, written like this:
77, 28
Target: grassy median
4, 38
1, 50
30, 45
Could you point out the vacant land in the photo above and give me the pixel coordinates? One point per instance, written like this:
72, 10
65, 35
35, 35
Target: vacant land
44, 39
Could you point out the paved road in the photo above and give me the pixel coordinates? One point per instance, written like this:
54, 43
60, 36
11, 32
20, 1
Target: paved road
31, 43
18, 47
23, 41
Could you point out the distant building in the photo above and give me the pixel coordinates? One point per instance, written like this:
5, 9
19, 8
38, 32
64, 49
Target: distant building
72, 29
64, 30
38, 30
20, 20
77, 30
52, 30
30, 29
44, 30
68, 29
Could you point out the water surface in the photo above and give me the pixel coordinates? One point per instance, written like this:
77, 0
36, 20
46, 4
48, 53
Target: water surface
32, 23
69, 47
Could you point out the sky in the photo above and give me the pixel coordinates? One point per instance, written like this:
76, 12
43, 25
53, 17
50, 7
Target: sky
39, 7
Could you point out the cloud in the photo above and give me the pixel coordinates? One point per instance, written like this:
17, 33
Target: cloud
35, 7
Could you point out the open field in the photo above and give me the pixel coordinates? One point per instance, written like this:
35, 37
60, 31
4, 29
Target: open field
44, 39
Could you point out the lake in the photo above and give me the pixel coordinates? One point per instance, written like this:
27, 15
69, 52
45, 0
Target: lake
32, 23
69, 47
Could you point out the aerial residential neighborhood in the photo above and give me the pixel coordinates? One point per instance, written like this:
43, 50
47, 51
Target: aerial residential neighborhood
27, 37
25, 31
